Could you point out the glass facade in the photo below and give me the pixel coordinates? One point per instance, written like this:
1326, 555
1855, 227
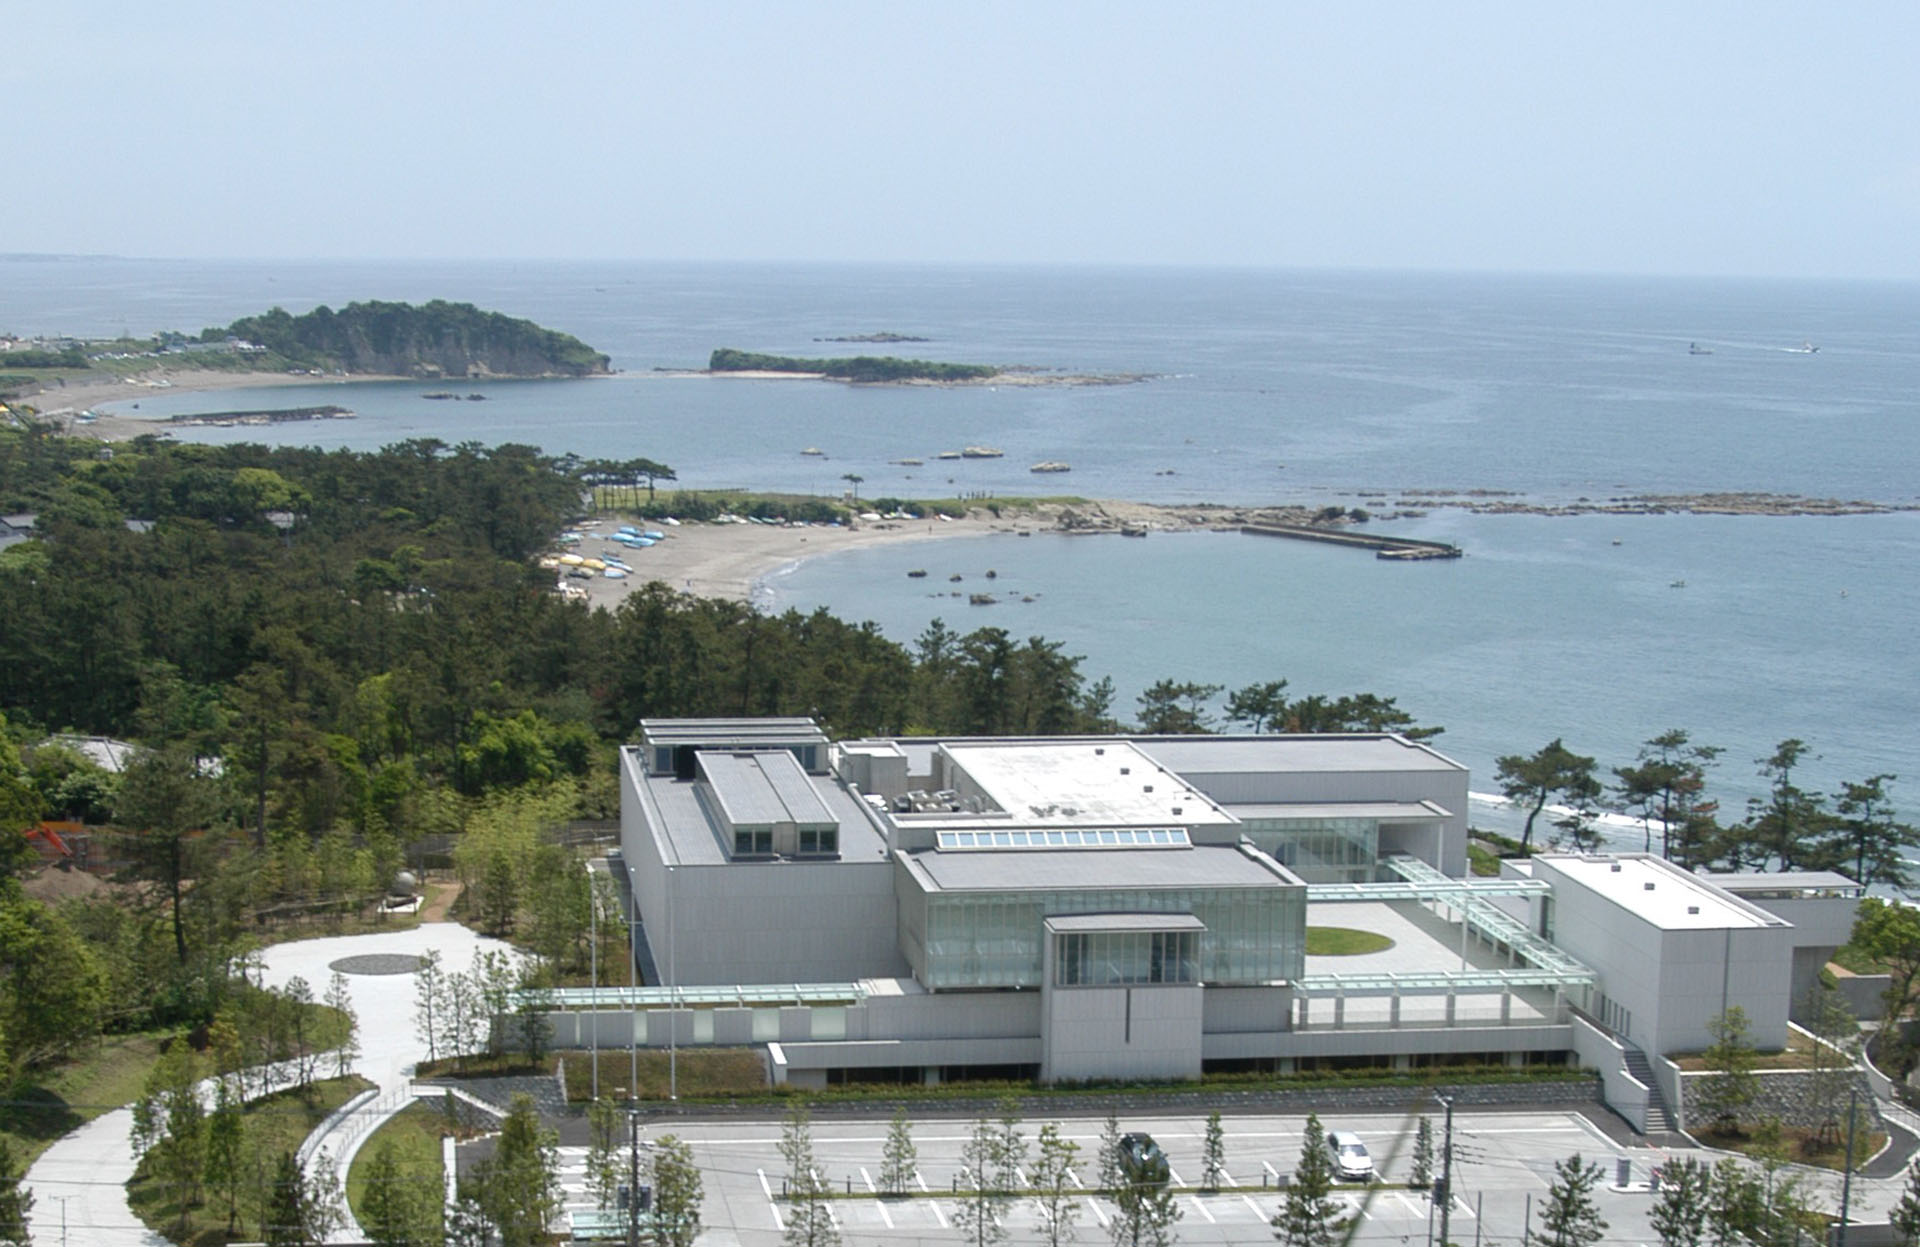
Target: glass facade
1112, 958
994, 939
1320, 850
1066, 838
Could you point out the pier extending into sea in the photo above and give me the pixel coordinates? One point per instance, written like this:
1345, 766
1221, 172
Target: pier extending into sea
1399, 549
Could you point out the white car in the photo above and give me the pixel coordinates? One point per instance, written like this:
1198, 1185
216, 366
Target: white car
1351, 1163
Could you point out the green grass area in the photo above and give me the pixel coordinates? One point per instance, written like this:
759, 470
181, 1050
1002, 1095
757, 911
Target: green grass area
704, 1073
96, 1079
415, 1133
1858, 960
735, 1074
1484, 865
276, 1124
1344, 942
1801, 1145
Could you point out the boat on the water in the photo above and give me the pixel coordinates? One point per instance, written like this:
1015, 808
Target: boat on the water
1805, 348
982, 452
1694, 348
1050, 465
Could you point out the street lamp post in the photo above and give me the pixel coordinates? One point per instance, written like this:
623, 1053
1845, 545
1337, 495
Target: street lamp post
593, 972
673, 981
1446, 1172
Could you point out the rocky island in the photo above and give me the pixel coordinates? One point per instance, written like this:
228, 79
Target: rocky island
436, 339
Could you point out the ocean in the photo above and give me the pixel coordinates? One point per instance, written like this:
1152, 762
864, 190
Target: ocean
1263, 387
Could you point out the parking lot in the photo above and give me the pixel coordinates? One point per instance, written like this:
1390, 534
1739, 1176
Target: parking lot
1503, 1163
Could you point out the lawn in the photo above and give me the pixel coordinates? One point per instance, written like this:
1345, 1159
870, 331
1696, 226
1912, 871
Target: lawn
703, 1072
1798, 1144
276, 1124
1344, 942
415, 1133
98, 1079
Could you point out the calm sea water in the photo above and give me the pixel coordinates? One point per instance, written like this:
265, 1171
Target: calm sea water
1266, 387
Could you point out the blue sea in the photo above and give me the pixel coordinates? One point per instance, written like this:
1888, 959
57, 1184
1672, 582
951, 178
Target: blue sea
1263, 387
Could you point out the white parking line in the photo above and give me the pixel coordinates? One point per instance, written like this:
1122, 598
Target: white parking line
767, 1187
1200, 1208
1253, 1207
1175, 1175
877, 1203
1098, 1215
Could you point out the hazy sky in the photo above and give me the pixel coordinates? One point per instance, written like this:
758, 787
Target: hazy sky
1748, 138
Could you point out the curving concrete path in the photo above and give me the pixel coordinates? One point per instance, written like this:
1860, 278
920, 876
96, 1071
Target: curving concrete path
88, 1170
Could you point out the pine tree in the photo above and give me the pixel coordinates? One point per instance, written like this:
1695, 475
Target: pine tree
1423, 1155
809, 1215
1732, 1085
16, 1202
393, 1210
340, 998
1570, 1217
1110, 1154
428, 991
519, 1185
603, 1151
1306, 1216
899, 1159
676, 1193
226, 1150
1146, 1215
302, 1208
1905, 1216
1213, 1160
1009, 1148
1053, 1184
1680, 1215
977, 1215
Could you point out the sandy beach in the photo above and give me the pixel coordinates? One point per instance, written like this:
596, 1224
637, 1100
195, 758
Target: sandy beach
727, 560
57, 401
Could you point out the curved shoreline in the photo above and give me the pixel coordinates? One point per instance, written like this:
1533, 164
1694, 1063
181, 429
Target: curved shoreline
736, 561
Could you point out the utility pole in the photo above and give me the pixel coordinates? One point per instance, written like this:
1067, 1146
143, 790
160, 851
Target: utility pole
633, 1178
593, 961
1846, 1183
673, 979
1446, 1172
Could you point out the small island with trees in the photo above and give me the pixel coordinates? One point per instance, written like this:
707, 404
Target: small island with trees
432, 340
892, 370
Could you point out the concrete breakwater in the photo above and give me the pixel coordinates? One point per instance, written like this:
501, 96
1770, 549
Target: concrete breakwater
1400, 549
281, 415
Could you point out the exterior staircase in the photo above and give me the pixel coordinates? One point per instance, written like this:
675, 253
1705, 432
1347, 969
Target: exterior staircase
1659, 1116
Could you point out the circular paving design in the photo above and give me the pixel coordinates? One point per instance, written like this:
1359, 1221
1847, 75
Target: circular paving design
377, 963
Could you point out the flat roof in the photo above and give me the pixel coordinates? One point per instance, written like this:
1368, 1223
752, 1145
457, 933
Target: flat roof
1207, 866
694, 838
1658, 892
758, 789
1744, 881
1097, 784
702, 731
1380, 811
1207, 755
1124, 922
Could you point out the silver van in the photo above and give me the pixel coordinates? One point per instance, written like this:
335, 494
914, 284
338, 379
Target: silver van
1350, 1160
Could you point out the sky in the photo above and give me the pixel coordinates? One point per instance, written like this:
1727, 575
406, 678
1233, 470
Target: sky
1744, 139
